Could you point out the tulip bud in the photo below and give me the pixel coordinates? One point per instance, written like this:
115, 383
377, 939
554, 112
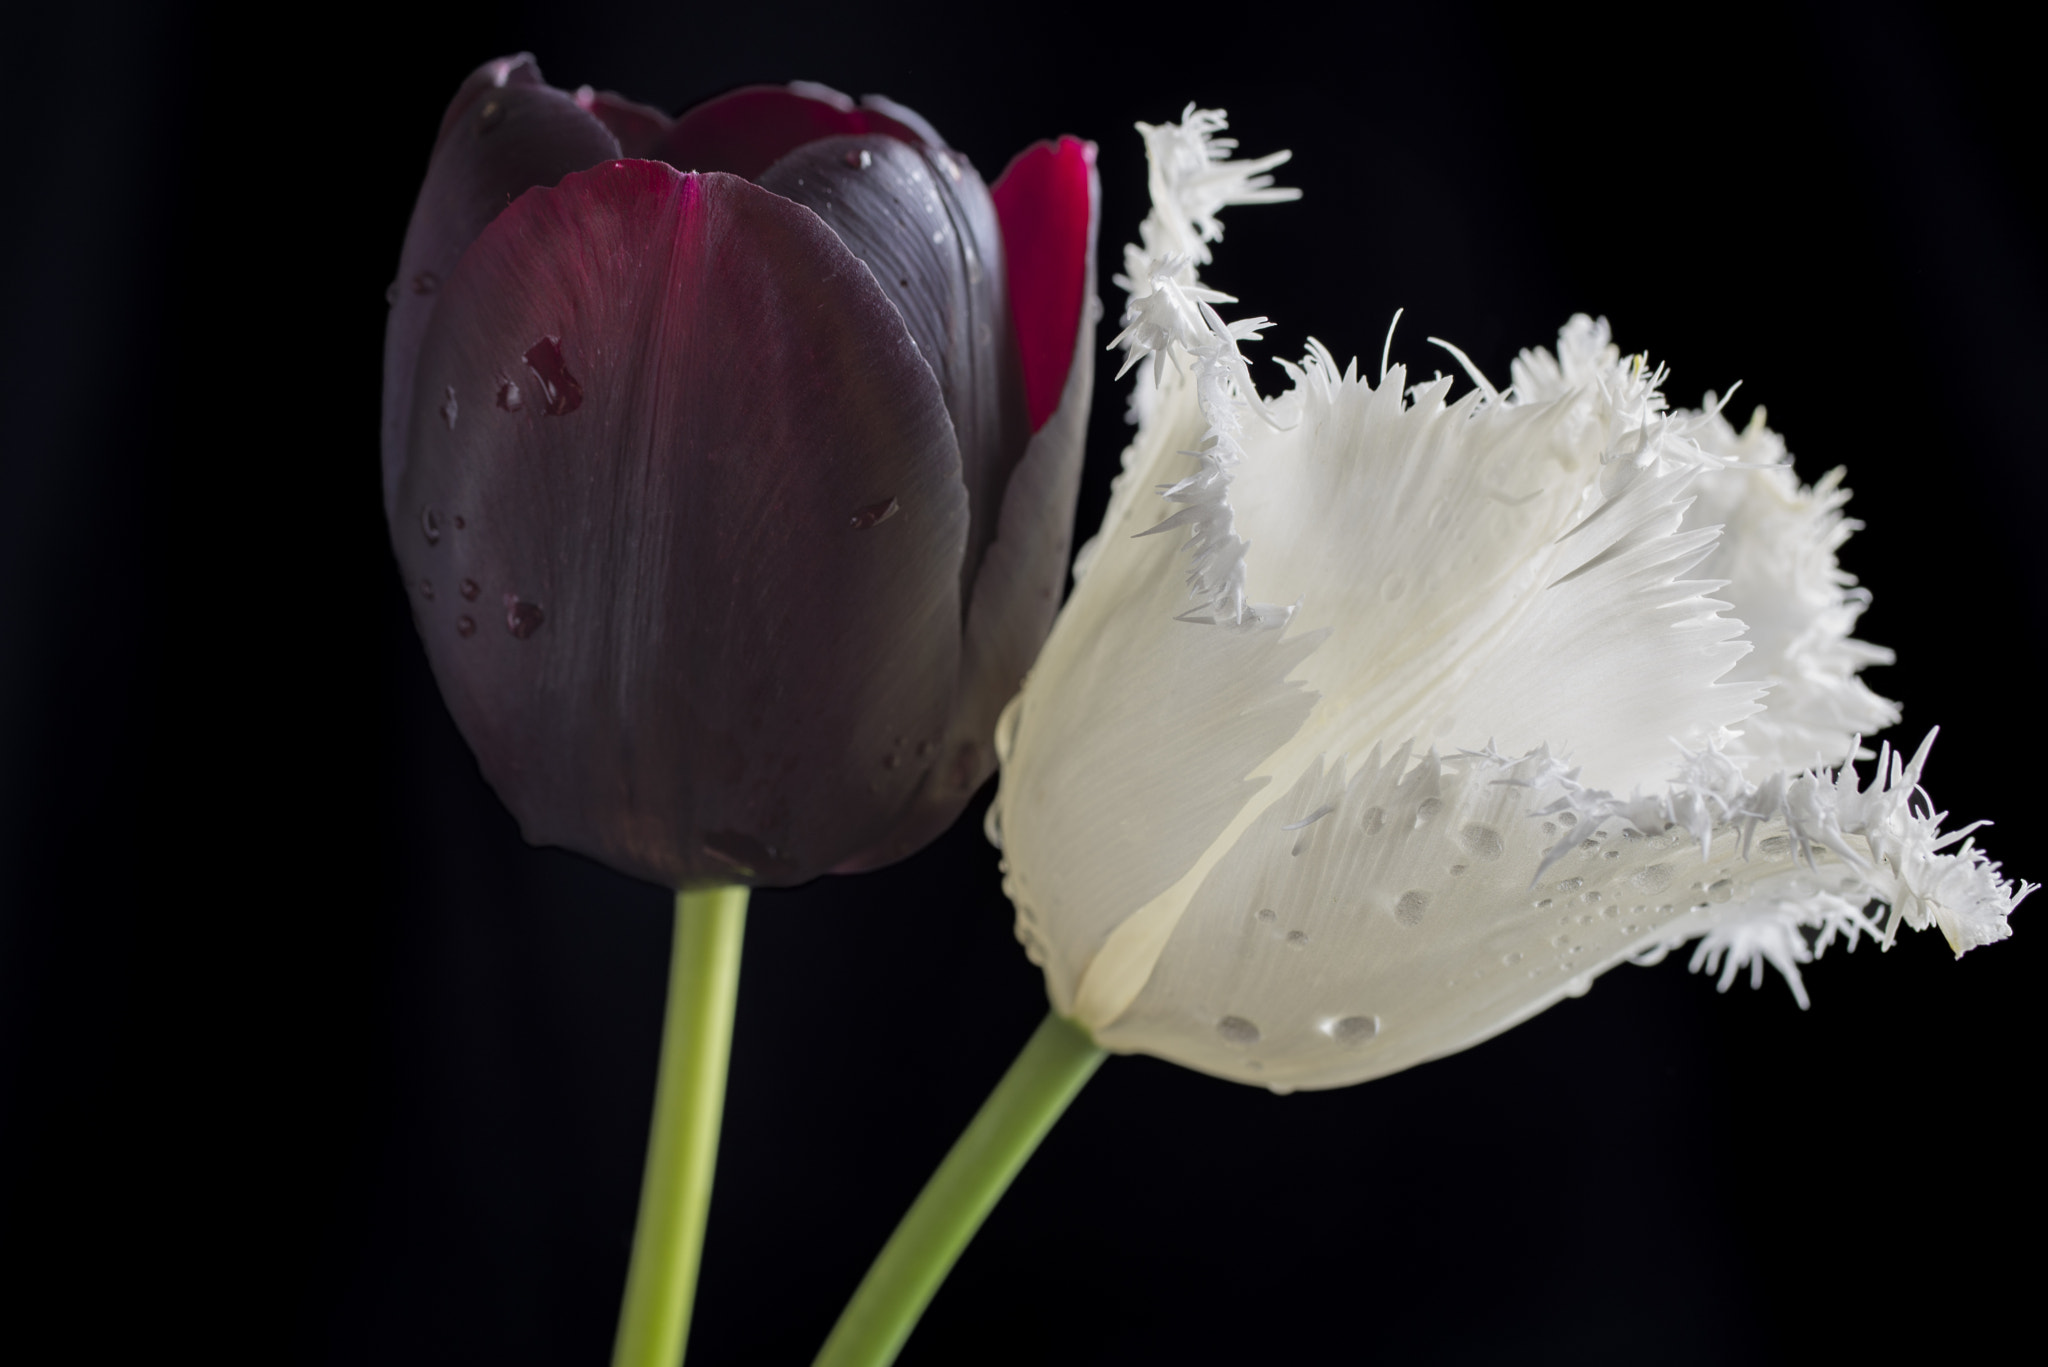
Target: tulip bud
730, 461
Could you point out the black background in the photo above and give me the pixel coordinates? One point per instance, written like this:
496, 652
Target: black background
305, 1057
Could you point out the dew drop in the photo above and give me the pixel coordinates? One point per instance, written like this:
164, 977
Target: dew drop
560, 392
1237, 1030
1611, 910
1722, 891
860, 160
1354, 1030
1612, 854
391, 293
1571, 885
1588, 846
465, 625
522, 618
1550, 830
1776, 846
1651, 878
1457, 870
509, 397
1664, 910
1429, 808
1512, 958
491, 115
1483, 841
1579, 986
426, 282
427, 589
430, 526
1542, 903
1374, 820
1266, 913
1629, 929
1297, 939
1590, 897
1409, 910
873, 513
448, 408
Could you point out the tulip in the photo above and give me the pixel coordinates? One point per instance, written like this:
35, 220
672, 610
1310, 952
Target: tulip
1406, 716
730, 462
1317, 776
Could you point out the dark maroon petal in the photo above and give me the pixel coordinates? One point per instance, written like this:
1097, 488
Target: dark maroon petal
1046, 201
750, 129
638, 127
1017, 590
505, 131
693, 655
922, 221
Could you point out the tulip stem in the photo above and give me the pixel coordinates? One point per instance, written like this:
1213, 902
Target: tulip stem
1046, 1076
682, 1149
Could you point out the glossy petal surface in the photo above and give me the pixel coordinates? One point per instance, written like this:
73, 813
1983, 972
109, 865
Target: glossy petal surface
694, 523
1017, 589
923, 223
750, 129
1046, 200
505, 131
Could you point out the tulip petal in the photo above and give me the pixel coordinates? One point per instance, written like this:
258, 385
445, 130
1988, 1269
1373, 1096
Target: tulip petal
923, 223
1132, 692
639, 128
505, 131
694, 528
750, 129
1017, 590
1776, 553
1048, 199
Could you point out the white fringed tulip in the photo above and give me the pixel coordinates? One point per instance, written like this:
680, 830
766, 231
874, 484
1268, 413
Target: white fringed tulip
1419, 713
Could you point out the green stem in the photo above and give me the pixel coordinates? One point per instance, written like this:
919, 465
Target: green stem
1046, 1076
682, 1150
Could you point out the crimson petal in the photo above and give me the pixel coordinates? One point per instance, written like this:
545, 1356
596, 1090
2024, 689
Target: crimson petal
1017, 589
505, 131
693, 651
922, 221
1046, 200
750, 129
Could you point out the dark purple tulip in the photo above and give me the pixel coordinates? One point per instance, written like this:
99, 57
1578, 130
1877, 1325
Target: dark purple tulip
731, 461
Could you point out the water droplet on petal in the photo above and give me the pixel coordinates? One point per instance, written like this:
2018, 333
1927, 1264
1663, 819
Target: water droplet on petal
1428, 810
560, 392
1512, 958
449, 408
1237, 1030
459, 523
864, 518
1409, 910
1776, 846
465, 626
522, 619
469, 589
509, 397
1374, 820
1721, 891
1651, 878
1354, 1030
1297, 939
426, 282
391, 293
1571, 885
491, 115
430, 526
860, 160
1266, 913
1483, 841
427, 589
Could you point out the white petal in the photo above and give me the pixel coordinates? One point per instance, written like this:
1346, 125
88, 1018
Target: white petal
1777, 554
1130, 747
1400, 924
